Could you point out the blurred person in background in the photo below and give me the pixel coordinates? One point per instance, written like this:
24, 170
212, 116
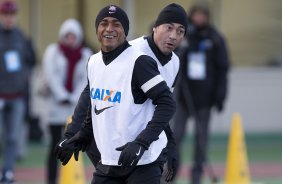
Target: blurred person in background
16, 59
64, 68
203, 84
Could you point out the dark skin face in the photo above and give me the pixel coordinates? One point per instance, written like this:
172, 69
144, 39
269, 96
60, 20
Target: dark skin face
168, 36
110, 34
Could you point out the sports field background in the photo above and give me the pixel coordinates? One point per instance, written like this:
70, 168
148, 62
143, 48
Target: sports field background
264, 153
254, 92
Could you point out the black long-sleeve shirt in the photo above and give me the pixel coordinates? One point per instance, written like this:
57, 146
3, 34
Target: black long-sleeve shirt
145, 68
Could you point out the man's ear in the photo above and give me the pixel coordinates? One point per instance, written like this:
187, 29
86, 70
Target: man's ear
154, 29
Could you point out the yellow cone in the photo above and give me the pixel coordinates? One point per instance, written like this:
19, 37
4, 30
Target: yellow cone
237, 167
69, 120
73, 172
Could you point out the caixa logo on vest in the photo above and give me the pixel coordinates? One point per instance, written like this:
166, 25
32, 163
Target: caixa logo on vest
105, 95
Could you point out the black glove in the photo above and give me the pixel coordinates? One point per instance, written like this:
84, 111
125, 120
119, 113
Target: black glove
81, 141
172, 156
170, 171
219, 106
131, 153
64, 151
65, 102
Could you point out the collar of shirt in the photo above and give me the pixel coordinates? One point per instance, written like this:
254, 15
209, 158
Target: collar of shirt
164, 59
5, 31
108, 57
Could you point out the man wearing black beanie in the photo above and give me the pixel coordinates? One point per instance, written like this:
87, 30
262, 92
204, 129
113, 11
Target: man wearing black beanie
131, 105
168, 32
115, 12
173, 13
167, 36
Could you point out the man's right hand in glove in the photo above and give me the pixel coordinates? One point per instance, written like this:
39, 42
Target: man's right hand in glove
64, 150
81, 141
66, 147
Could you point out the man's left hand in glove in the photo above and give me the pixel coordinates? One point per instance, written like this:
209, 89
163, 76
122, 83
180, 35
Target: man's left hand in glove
131, 153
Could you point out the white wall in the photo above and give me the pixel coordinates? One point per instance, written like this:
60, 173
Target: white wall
256, 93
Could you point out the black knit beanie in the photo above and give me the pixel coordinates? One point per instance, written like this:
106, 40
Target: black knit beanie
172, 13
116, 12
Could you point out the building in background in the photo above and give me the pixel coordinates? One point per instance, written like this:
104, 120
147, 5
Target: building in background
252, 27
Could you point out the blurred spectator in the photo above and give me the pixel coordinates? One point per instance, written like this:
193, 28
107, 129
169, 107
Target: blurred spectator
16, 58
202, 85
64, 68
30, 124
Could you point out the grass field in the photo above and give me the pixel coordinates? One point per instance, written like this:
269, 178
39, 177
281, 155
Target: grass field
264, 155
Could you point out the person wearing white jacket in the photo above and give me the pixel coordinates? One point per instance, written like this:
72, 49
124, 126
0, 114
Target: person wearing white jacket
64, 68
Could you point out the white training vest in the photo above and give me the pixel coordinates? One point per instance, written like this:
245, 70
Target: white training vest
168, 71
116, 118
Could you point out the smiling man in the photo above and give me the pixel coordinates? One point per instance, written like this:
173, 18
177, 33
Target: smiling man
168, 32
129, 130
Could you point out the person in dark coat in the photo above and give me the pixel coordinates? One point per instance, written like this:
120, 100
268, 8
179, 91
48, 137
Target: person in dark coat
202, 85
16, 58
